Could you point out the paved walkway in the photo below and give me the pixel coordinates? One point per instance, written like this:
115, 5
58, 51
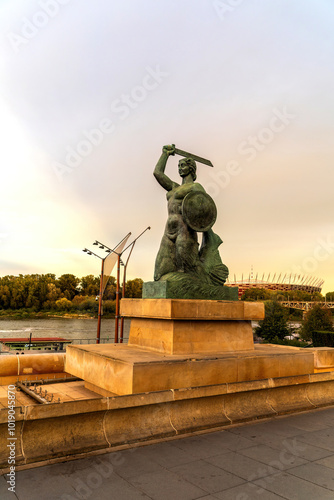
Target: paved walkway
289, 457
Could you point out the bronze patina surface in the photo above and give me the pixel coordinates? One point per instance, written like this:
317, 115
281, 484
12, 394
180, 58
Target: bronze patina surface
199, 211
182, 269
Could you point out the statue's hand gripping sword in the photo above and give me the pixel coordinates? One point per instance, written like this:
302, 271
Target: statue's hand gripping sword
190, 155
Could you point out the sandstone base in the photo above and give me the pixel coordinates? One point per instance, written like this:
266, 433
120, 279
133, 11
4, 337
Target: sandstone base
176, 344
121, 369
173, 326
117, 422
162, 385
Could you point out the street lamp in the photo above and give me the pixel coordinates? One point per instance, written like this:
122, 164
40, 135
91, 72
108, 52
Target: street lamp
117, 253
89, 252
112, 253
131, 246
103, 281
120, 252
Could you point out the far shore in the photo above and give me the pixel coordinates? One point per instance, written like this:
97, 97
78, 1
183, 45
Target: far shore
15, 315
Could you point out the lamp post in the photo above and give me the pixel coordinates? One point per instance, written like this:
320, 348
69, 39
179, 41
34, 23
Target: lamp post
89, 252
117, 252
123, 291
113, 254
131, 246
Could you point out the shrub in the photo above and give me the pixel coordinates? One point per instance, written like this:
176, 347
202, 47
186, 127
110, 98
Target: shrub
109, 307
90, 305
78, 299
275, 323
323, 339
64, 304
290, 342
316, 319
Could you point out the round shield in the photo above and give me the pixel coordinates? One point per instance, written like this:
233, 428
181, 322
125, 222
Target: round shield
199, 211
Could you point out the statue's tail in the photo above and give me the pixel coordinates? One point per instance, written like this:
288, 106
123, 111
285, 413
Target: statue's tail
210, 258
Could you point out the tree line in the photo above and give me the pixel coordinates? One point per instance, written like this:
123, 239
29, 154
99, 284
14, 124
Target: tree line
38, 292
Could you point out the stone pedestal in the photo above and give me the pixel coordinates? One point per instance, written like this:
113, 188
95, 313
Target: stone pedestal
177, 344
118, 369
179, 326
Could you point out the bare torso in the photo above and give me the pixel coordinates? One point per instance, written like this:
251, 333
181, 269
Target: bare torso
175, 197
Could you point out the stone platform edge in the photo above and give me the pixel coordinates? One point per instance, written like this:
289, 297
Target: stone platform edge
31, 367
107, 423
192, 309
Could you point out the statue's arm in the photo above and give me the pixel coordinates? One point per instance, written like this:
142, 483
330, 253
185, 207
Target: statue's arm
159, 171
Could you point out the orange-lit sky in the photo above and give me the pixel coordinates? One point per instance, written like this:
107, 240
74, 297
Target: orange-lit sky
91, 91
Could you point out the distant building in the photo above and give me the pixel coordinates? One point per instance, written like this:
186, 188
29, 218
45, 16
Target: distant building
284, 282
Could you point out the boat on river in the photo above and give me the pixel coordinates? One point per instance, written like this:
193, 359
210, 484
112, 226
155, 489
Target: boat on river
36, 343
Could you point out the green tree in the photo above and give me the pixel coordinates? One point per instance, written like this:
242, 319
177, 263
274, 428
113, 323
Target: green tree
110, 290
317, 297
36, 289
275, 324
4, 296
53, 292
256, 294
133, 288
317, 318
41, 289
18, 292
68, 284
330, 296
90, 285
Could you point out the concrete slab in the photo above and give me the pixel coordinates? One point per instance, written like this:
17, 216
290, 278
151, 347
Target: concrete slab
122, 369
247, 491
323, 439
327, 462
280, 458
320, 474
135, 474
207, 476
166, 485
288, 486
240, 465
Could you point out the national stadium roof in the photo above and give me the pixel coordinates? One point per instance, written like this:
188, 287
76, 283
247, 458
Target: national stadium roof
276, 281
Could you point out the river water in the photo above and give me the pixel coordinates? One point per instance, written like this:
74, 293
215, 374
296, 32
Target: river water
80, 331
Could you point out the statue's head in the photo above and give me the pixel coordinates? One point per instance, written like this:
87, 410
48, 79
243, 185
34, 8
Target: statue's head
191, 164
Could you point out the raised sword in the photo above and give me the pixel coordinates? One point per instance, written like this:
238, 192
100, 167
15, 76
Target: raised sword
194, 157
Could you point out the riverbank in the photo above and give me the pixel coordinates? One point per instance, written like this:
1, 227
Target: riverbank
7, 314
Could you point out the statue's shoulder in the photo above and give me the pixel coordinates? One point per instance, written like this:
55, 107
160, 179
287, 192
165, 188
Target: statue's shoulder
198, 187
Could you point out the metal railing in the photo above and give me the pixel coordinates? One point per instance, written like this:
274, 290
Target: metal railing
106, 340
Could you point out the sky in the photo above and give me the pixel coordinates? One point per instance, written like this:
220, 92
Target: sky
91, 91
